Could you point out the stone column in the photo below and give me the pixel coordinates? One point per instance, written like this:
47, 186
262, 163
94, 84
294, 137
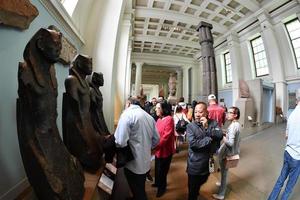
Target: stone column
128, 71
185, 83
210, 85
276, 65
121, 74
179, 84
138, 77
102, 34
236, 64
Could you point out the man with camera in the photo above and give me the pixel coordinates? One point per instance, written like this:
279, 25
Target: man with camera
202, 134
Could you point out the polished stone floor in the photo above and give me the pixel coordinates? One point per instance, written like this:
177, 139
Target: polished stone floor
253, 179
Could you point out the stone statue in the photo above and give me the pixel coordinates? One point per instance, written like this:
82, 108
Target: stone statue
97, 104
210, 84
51, 170
172, 99
244, 89
96, 110
79, 135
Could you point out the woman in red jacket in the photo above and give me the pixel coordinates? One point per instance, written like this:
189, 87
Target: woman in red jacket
165, 149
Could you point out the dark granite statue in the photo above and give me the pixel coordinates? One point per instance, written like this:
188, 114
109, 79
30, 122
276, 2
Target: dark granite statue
97, 103
51, 170
210, 84
97, 116
79, 135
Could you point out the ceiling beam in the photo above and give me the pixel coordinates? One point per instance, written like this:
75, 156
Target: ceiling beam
250, 4
163, 59
177, 17
150, 38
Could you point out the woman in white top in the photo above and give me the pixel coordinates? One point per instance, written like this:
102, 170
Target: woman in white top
229, 147
178, 115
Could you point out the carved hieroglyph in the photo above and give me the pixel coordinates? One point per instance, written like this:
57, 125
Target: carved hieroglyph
208, 59
17, 13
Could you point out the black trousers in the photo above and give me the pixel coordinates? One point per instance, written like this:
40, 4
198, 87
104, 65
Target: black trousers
136, 183
194, 184
162, 166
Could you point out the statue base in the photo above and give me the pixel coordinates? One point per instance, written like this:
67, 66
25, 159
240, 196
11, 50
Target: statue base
247, 118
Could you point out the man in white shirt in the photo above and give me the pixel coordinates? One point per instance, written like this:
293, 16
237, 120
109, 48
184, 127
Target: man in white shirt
137, 128
291, 163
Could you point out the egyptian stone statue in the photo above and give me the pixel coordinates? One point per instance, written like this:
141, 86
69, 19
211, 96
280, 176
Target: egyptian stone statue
172, 89
244, 89
96, 110
51, 170
79, 135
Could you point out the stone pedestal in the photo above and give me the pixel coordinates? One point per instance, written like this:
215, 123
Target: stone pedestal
246, 106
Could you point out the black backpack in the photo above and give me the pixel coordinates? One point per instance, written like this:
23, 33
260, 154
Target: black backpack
181, 126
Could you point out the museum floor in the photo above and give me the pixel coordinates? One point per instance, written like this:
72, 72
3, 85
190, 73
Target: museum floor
253, 179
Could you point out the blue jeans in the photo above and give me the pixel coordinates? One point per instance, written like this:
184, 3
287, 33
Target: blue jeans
291, 169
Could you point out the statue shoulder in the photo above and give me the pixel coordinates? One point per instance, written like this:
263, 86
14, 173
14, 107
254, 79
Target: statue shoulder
71, 82
25, 73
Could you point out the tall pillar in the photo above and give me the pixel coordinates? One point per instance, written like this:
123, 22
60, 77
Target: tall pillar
179, 84
128, 71
210, 84
236, 64
138, 77
195, 82
123, 56
102, 34
276, 65
185, 83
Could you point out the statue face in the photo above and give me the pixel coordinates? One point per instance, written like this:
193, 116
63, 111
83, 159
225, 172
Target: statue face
50, 45
97, 79
84, 64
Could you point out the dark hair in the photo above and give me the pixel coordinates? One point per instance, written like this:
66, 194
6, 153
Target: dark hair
178, 109
166, 108
236, 111
135, 100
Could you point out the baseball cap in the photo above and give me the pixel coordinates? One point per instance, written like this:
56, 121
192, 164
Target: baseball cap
211, 97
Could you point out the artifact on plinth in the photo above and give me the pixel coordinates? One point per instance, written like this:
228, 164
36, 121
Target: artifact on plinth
79, 135
51, 170
17, 13
246, 105
172, 99
209, 76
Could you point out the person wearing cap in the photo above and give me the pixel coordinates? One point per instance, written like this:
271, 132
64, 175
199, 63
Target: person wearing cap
215, 111
291, 158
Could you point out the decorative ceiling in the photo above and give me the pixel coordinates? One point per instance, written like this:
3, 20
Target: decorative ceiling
169, 26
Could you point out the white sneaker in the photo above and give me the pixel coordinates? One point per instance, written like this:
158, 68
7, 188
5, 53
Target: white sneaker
218, 183
217, 196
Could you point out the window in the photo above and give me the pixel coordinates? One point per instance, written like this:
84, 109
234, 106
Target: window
259, 56
69, 5
228, 72
293, 28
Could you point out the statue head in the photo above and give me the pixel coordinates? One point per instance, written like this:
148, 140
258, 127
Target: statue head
97, 79
50, 45
83, 64
47, 43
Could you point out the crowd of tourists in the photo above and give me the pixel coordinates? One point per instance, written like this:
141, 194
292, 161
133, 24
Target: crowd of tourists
158, 128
